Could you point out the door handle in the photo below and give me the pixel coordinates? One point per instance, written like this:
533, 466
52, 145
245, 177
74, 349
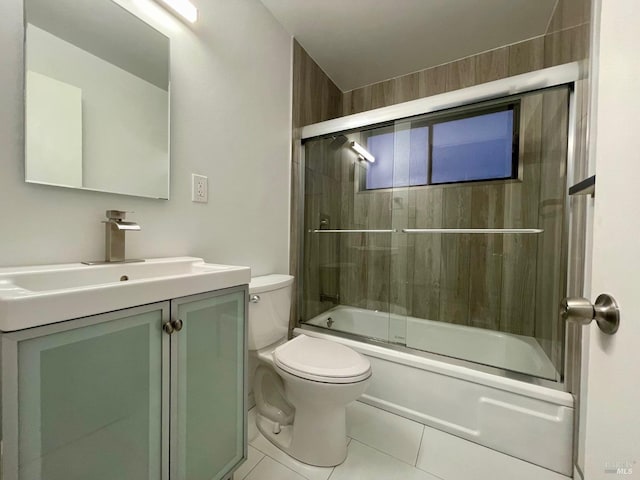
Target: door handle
604, 311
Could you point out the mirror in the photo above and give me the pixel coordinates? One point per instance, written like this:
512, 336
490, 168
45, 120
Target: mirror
96, 98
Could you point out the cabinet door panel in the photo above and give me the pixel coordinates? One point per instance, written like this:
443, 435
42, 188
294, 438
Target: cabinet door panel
210, 419
89, 398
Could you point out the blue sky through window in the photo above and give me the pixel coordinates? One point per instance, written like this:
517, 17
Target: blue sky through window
385, 173
468, 149
475, 148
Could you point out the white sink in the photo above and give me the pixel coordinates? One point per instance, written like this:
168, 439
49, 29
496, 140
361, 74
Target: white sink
33, 296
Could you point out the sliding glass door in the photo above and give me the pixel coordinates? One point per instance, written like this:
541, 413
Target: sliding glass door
347, 246
445, 233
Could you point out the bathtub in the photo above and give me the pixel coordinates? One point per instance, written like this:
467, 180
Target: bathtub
524, 420
487, 347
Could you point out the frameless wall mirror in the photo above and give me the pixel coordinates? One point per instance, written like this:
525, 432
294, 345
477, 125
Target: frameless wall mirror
97, 98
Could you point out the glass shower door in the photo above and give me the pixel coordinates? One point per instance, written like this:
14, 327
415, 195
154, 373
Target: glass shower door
479, 200
409, 169
347, 249
445, 232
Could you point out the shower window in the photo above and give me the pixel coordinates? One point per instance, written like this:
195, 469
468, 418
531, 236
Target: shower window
479, 144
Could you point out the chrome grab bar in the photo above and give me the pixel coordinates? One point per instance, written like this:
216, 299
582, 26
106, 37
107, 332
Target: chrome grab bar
472, 230
437, 230
393, 230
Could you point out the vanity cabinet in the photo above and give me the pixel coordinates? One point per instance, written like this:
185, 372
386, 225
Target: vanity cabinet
208, 386
120, 396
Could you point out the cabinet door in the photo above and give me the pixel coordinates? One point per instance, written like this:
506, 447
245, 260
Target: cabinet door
208, 427
87, 399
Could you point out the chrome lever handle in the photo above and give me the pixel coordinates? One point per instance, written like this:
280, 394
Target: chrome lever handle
604, 311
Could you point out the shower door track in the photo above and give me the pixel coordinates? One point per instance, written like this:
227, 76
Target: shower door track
567, 73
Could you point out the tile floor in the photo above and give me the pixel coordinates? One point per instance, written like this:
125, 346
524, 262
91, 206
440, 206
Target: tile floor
382, 446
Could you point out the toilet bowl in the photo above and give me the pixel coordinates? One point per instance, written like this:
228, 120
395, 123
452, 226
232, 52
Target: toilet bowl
301, 386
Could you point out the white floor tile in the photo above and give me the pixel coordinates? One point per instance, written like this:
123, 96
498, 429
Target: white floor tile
307, 471
454, 458
253, 459
366, 463
384, 431
269, 469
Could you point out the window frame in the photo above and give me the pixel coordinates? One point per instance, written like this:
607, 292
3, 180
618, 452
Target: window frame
459, 113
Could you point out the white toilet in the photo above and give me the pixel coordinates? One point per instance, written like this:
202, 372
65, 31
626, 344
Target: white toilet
301, 386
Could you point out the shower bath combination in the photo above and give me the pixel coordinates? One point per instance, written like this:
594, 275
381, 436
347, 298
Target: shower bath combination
448, 256
458, 225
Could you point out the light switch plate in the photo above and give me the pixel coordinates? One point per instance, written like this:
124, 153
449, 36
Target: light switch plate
199, 188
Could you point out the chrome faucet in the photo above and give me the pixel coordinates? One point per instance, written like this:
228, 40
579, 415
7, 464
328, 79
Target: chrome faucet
114, 239
115, 228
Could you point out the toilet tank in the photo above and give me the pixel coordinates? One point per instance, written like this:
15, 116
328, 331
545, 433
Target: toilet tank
269, 307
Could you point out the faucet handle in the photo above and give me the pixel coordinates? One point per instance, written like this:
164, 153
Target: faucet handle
117, 214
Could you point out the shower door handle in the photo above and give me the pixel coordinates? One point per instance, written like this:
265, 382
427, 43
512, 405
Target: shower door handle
604, 311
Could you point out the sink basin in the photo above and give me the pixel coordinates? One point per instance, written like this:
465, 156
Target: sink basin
33, 296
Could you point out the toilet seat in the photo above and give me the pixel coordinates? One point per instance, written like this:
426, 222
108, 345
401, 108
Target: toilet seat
321, 361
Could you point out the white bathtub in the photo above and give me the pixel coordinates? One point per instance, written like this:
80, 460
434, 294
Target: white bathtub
527, 421
502, 350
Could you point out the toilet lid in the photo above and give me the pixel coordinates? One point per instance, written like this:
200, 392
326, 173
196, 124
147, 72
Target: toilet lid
321, 360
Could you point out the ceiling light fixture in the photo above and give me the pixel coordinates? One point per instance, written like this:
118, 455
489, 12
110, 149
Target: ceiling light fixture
184, 8
362, 152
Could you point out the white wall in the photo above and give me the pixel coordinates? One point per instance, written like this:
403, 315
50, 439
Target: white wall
53, 147
230, 109
610, 391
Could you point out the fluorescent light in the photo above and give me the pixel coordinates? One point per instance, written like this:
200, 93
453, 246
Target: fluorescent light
362, 152
184, 8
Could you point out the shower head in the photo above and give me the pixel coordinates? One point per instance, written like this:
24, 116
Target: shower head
337, 142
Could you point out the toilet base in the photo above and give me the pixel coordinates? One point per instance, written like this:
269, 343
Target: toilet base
304, 418
326, 446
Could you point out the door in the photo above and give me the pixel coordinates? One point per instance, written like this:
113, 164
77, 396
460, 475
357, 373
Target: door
610, 419
84, 399
347, 246
208, 369
479, 211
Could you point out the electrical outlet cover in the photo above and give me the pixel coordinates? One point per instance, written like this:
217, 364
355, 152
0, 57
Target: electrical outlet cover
199, 188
